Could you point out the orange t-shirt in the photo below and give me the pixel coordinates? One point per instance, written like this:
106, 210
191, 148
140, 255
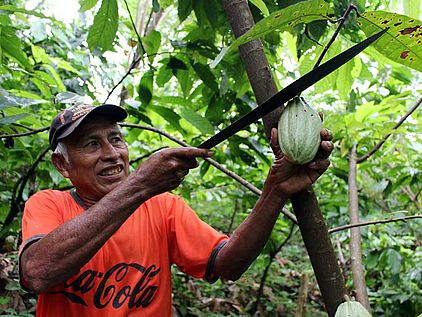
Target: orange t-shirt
130, 275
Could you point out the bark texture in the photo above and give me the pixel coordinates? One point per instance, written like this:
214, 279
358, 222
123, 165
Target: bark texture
311, 222
355, 237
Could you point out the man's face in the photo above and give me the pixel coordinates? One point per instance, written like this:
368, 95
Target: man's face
98, 158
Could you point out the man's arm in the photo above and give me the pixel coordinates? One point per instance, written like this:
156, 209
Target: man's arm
61, 253
284, 179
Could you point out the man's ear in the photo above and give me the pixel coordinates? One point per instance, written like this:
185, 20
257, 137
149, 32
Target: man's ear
61, 164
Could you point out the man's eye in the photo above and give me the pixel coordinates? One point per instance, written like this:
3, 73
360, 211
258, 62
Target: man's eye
92, 144
117, 139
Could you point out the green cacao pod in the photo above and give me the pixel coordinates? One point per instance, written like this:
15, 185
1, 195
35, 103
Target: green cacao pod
351, 309
299, 130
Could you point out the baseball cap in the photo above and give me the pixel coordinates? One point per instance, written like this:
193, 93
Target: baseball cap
65, 123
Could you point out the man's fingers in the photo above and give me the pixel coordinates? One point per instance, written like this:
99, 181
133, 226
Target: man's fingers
319, 165
190, 152
326, 135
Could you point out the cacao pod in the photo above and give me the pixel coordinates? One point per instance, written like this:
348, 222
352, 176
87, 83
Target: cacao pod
299, 130
351, 309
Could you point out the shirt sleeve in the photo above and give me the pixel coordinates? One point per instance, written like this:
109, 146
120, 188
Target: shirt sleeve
41, 215
193, 243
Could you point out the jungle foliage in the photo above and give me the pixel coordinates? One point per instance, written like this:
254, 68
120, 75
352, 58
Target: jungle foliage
180, 75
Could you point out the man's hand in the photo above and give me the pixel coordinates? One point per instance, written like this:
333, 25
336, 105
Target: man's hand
288, 178
165, 170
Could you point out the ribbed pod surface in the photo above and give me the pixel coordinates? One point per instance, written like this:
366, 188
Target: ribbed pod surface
299, 131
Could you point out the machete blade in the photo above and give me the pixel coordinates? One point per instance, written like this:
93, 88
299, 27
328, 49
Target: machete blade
291, 91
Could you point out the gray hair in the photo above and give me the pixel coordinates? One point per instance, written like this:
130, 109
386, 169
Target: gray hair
61, 150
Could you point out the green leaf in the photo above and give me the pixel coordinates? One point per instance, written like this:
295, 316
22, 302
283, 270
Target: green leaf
87, 5
12, 46
401, 43
185, 80
345, 79
145, 87
11, 119
170, 116
66, 66
200, 13
102, 33
39, 54
184, 8
210, 7
151, 43
12, 9
198, 121
394, 261
261, 6
282, 20
206, 75
60, 86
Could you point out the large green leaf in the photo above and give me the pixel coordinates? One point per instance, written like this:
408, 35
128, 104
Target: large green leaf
102, 33
206, 75
260, 4
401, 43
170, 116
12, 46
198, 121
151, 44
11, 119
184, 8
145, 88
282, 20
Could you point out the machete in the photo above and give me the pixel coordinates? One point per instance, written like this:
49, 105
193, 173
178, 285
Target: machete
290, 91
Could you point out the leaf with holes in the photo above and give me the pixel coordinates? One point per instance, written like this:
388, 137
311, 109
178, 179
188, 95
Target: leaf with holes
282, 20
403, 41
102, 33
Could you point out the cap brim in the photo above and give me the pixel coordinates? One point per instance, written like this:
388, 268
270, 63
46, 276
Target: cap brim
112, 112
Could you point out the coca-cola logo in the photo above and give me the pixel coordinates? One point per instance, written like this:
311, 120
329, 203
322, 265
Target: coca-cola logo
113, 288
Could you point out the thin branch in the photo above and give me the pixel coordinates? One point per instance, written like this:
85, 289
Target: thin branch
136, 160
398, 124
22, 126
135, 61
374, 222
17, 135
217, 165
135, 29
19, 188
333, 38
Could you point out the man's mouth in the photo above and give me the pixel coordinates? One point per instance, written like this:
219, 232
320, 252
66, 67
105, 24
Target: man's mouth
111, 171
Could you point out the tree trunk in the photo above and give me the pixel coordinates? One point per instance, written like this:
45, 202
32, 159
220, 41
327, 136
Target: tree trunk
355, 238
305, 205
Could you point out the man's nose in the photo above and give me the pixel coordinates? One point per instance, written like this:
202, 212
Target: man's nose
108, 151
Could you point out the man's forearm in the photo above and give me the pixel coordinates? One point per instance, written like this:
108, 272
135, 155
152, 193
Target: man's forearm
247, 242
61, 253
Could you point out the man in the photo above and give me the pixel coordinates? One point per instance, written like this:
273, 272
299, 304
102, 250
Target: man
105, 248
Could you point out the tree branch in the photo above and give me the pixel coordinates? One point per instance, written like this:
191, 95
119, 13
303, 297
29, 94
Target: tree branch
18, 190
333, 38
136, 160
398, 124
217, 165
17, 135
373, 222
355, 244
